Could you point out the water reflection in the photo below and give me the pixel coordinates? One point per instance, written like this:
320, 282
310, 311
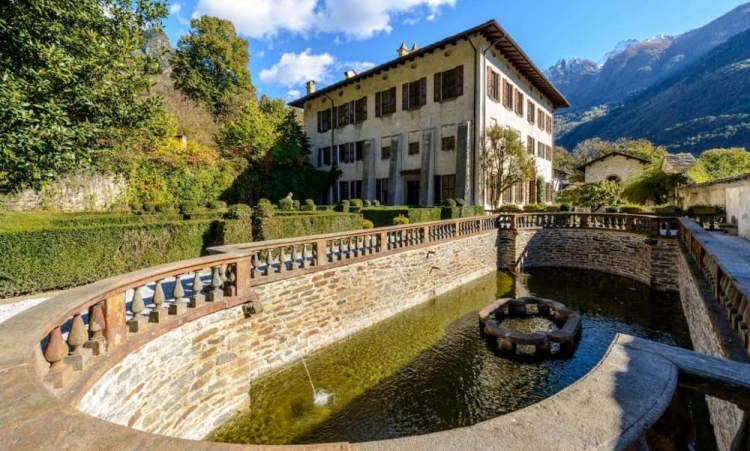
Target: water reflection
428, 369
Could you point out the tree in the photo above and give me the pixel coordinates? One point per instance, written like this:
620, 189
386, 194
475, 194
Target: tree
250, 134
210, 65
504, 161
71, 83
564, 162
717, 164
652, 185
593, 194
593, 148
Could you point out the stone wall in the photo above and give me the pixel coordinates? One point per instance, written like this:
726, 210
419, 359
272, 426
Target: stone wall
732, 194
188, 381
78, 192
613, 165
621, 253
710, 334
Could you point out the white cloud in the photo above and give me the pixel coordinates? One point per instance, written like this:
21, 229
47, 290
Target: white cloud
294, 69
260, 54
293, 94
356, 66
174, 8
358, 19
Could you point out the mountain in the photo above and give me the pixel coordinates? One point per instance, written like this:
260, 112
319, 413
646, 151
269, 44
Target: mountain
159, 48
703, 105
634, 66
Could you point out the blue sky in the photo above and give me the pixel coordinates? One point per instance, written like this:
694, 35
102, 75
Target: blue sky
292, 41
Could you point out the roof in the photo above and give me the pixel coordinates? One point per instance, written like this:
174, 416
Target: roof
493, 32
727, 181
611, 154
677, 163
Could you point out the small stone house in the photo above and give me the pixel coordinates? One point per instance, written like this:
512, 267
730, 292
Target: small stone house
615, 166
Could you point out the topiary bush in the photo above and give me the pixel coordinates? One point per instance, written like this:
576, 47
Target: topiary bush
286, 204
309, 205
565, 207
533, 208
449, 203
400, 220
375, 203
165, 208
367, 203
188, 207
611, 209
239, 211
216, 204
342, 207
367, 224
355, 202
263, 209
460, 202
632, 208
510, 208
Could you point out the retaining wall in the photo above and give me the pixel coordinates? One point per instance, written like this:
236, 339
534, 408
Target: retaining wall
188, 381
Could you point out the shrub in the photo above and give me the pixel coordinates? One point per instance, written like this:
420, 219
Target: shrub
342, 207
188, 207
565, 207
295, 205
460, 202
611, 209
264, 209
302, 225
366, 203
400, 220
449, 203
631, 208
533, 207
149, 207
510, 208
239, 211
165, 208
309, 205
367, 224
471, 210
286, 204
668, 210
375, 203
448, 212
355, 202
216, 204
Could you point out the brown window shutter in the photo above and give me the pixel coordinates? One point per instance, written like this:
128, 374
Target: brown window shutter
490, 91
405, 96
459, 81
423, 91
377, 104
393, 100
364, 108
438, 86
320, 121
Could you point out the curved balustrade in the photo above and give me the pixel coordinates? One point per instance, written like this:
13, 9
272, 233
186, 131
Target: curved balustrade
645, 224
145, 302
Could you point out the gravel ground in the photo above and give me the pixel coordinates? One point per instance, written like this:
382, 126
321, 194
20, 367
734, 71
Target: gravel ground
8, 310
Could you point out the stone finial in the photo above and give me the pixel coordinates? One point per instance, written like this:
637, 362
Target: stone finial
414, 48
403, 50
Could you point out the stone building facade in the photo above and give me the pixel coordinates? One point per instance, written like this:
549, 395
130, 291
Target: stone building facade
615, 166
409, 131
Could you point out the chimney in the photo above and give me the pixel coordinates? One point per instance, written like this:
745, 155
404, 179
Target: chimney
403, 50
349, 74
310, 87
414, 48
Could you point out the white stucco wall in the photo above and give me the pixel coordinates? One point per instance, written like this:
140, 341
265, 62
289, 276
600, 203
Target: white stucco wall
733, 195
613, 165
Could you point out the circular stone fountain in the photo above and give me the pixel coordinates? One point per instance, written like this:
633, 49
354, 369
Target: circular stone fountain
569, 324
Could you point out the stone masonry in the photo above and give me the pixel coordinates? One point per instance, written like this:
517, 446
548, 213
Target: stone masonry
190, 380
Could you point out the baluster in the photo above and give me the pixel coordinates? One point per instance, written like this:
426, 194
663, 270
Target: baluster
56, 351
158, 314
332, 251
255, 262
230, 281
197, 299
97, 342
76, 339
215, 292
293, 257
269, 262
178, 306
137, 306
282, 260
305, 256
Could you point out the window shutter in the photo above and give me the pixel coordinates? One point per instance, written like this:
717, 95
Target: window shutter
405, 96
377, 104
459, 81
392, 105
364, 108
352, 109
490, 92
496, 82
335, 117
423, 91
438, 87
320, 121
320, 157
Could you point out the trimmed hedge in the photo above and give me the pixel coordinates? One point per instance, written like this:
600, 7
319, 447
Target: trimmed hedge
469, 211
312, 224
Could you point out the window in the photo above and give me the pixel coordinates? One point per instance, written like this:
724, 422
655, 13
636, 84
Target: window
507, 94
414, 148
449, 143
445, 187
356, 189
344, 192
531, 112
548, 125
530, 145
548, 192
519, 103
342, 114
346, 152
414, 94
532, 191
360, 109
327, 156
320, 157
493, 84
548, 154
359, 150
449, 84
508, 195
385, 102
385, 153
381, 190
519, 194
324, 120
540, 119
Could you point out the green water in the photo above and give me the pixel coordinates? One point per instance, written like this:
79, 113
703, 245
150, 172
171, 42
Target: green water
429, 369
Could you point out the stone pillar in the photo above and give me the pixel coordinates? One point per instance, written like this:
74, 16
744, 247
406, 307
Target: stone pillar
463, 162
395, 182
115, 329
368, 173
427, 174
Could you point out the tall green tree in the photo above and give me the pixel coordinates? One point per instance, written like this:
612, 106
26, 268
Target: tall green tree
652, 185
717, 164
594, 195
505, 161
210, 65
71, 83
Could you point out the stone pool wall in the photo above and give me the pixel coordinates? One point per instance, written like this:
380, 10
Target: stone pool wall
710, 334
190, 380
621, 253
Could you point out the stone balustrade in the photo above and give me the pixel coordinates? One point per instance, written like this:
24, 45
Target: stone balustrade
152, 301
643, 224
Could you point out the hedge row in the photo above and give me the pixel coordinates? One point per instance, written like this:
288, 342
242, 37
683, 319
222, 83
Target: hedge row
383, 216
59, 257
